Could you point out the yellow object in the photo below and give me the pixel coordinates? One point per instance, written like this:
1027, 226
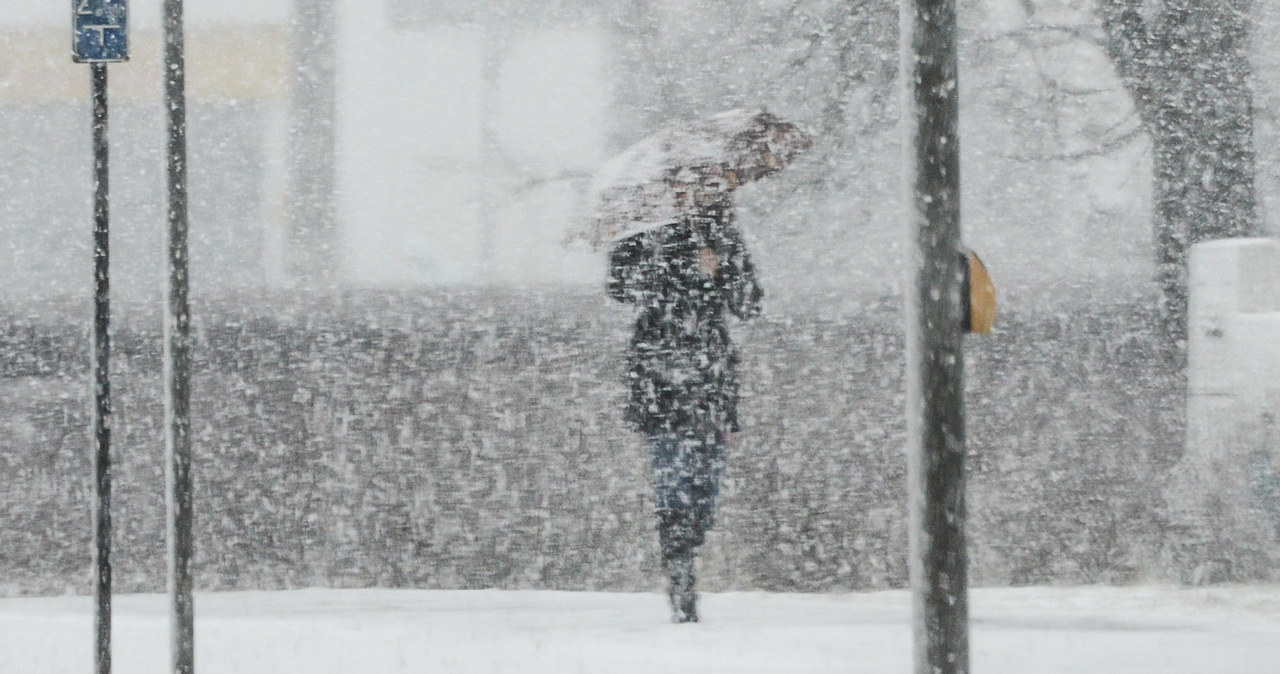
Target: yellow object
224, 62
982, 297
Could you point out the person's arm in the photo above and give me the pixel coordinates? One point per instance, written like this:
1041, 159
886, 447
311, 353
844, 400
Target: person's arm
631, 269
737, 277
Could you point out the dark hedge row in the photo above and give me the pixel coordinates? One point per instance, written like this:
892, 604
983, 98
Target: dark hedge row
470, 439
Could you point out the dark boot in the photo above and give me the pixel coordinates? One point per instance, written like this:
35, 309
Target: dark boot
684, 601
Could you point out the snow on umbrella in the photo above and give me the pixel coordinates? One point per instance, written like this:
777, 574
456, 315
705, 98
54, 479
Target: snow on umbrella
650, 183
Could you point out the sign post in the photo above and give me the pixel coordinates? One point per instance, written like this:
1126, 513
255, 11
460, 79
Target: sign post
99, 35
177, 353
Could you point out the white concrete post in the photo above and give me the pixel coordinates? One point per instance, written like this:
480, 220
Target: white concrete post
1233, 342
1233, 396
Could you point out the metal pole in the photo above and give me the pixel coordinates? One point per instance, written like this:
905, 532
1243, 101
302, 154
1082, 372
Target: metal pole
101, 375
177, 354
935, 372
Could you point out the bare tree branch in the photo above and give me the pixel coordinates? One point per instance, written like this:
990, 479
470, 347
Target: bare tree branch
1101, 149
1088, 33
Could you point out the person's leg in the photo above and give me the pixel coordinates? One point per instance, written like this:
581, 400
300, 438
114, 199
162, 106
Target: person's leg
674, 468
677, 468
708, 472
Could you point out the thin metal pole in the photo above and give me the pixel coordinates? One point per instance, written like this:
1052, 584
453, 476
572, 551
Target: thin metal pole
101, 375
177, 354
935, 364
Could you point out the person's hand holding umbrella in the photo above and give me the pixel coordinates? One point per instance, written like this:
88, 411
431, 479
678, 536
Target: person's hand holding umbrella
708, 261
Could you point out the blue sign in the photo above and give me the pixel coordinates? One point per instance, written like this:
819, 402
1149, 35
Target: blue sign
99, 30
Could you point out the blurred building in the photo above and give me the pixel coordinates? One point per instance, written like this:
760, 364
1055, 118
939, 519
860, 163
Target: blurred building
466, 132
462, 146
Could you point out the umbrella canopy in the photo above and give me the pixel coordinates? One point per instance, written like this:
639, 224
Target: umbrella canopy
652, 182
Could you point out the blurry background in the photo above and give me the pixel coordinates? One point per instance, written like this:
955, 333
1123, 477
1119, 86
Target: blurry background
457, 138
403, 377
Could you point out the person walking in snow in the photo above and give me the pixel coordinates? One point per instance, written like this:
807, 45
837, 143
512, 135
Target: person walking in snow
682, 369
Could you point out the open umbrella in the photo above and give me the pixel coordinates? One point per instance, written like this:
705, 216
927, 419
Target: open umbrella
651, 183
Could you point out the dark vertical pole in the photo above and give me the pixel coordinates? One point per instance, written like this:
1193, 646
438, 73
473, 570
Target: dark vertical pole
101, 375
177, 355
935, 372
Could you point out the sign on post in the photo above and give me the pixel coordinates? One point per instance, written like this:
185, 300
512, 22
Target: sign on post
100, 35
100, 31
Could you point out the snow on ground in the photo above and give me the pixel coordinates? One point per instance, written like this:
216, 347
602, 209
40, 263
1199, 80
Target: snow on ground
1017, 631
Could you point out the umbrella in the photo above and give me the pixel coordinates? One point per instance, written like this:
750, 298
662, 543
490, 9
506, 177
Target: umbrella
652, 182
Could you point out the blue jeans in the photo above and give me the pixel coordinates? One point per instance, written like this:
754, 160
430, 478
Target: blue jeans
686, 474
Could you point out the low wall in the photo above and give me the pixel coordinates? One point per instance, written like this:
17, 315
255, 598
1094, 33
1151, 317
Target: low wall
474, 439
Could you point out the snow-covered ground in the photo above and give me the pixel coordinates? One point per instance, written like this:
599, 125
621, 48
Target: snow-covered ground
1019, 631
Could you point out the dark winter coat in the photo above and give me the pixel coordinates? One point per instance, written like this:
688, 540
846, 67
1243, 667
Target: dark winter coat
682, 369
